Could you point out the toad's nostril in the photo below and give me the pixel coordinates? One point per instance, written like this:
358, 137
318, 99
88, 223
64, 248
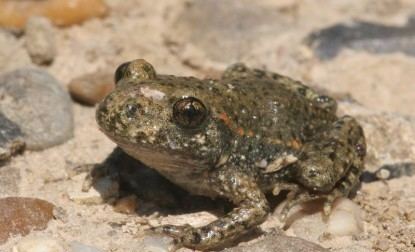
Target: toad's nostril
312, 172
131, 110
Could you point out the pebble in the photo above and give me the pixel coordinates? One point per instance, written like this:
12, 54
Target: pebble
90, 89
11, 139
13, 55
19, 216
39, 105
40, 40
79, 247
39, 244
60, 12
277, 242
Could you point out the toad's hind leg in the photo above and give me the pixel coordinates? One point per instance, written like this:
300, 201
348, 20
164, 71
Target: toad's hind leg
330, 164
343, 188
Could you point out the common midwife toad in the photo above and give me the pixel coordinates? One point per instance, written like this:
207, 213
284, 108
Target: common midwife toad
239, 137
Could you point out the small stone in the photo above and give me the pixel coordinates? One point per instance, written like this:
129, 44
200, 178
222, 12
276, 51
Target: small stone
19, 216
278, 242
79, 247
60, 12
39, 244
38, 104
126, 205
91, 88
40, 40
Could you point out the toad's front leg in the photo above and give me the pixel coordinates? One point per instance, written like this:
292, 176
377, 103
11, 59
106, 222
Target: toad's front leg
251, 210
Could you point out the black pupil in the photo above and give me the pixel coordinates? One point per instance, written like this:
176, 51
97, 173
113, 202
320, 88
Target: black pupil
189, 112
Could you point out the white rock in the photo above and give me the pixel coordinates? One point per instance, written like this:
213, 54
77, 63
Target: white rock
307, 221
346, 219
39, 244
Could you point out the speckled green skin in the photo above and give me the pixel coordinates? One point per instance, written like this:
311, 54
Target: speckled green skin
263, 133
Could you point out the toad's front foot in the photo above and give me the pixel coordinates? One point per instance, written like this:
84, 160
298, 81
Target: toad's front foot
251, 210
184, 236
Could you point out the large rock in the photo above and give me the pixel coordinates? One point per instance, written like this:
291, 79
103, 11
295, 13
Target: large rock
38, 104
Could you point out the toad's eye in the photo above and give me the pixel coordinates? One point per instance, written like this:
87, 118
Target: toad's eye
189, 113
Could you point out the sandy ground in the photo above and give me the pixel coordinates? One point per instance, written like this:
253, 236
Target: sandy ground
146, 29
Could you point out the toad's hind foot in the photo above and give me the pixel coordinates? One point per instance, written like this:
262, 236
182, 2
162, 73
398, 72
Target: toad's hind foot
330, 164
342, 189
294, 198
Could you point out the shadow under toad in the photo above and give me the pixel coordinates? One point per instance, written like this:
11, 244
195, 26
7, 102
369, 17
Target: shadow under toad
157, 194
154, 192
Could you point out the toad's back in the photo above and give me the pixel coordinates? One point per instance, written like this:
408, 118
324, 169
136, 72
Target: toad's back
269, 106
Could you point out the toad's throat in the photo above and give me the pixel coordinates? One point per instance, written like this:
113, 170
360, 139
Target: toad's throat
181, 169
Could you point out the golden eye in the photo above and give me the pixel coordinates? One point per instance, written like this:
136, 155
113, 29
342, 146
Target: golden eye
189, 113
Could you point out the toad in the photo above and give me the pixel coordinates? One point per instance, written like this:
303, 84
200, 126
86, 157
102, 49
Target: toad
239, 137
